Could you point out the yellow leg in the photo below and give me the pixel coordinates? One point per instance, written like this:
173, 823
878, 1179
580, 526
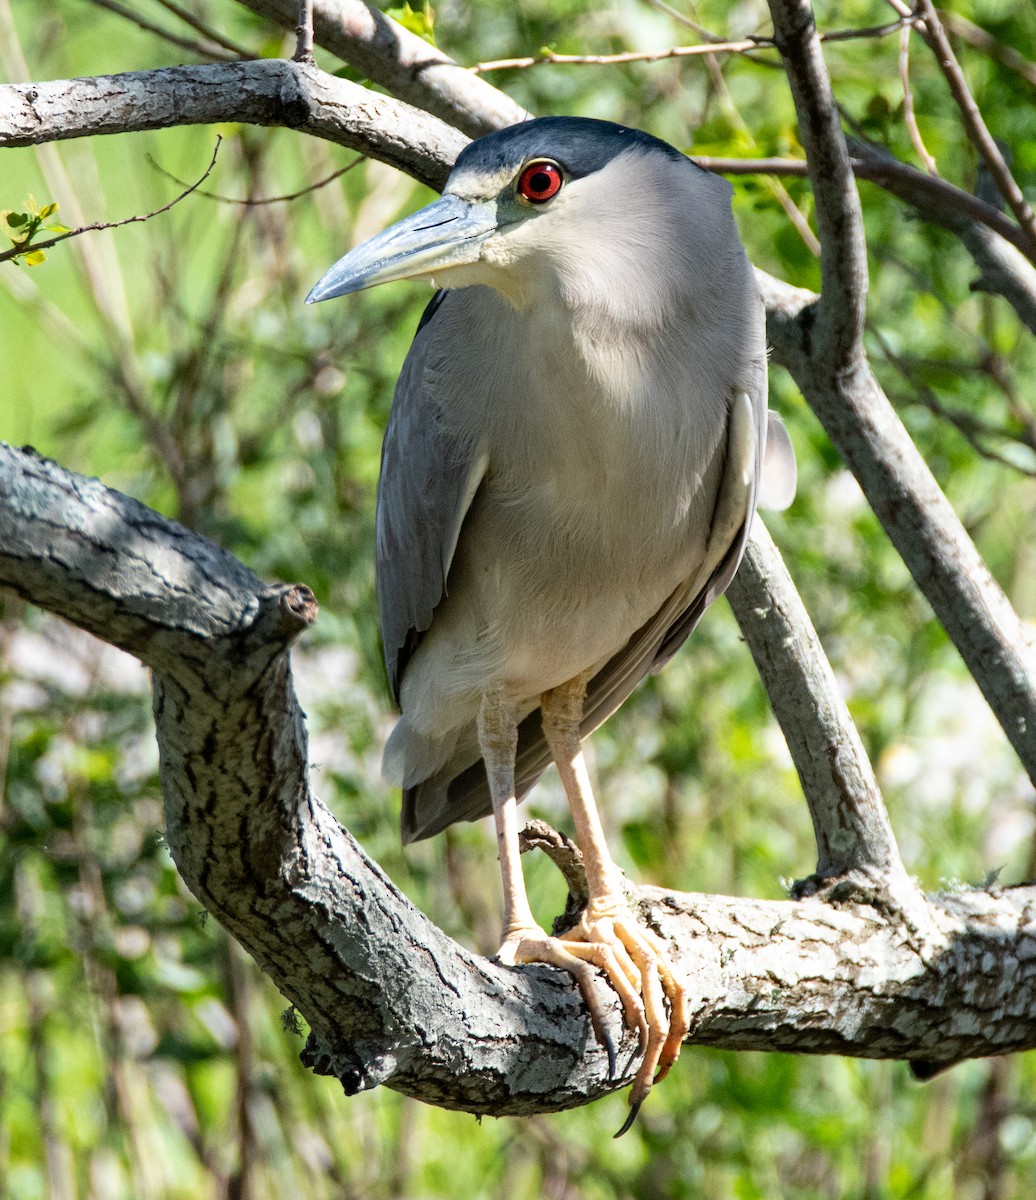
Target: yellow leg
608, 920
524, 941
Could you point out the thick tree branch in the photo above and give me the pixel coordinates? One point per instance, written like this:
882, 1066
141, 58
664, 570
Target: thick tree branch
270, 861
390, 999
265, 92
849, 818
401, 62
848, 401
822, 348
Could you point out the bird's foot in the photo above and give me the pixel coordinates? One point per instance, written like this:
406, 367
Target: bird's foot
609, 921
636, 964
533, 945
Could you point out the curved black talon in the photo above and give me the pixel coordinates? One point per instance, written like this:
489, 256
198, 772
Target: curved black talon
627, 1125
608, 1042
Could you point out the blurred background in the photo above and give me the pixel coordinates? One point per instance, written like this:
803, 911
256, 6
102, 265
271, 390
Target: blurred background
142, 1055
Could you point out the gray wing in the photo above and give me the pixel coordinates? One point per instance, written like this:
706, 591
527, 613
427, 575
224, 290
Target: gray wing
460, 792
428, 480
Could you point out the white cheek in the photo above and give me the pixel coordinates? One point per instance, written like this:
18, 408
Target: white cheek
465, 275
502, 252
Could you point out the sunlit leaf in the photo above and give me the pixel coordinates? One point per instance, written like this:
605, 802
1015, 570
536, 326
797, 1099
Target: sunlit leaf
418, 20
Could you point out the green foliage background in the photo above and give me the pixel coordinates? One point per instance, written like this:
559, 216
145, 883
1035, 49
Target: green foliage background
141, 1054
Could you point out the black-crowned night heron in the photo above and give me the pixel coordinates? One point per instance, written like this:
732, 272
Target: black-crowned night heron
568, 479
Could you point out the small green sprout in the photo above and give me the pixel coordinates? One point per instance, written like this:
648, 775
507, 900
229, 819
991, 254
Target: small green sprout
21, 227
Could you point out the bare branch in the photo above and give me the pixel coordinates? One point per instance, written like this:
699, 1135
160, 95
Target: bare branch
915, 514
256, 201
849, 818
909, 116
840, 314
994, 242
876, 165
974, 123
990, 237
267, 92
390, 999
203, 51
982, 39
628, 56
834, 35
712, 46
304, 33
822, 348
205, 30
401, 62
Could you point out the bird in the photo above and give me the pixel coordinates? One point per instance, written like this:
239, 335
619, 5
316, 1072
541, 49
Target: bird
577, 443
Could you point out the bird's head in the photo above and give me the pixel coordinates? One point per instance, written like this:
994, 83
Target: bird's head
535, 201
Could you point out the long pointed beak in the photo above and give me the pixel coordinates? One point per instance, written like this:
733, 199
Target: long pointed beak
445, 234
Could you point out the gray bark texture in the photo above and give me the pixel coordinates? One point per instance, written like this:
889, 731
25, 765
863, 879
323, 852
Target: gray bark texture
859, 963
390, 999
267, 92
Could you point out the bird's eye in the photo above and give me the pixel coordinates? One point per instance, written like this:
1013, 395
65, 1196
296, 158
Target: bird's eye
540, 181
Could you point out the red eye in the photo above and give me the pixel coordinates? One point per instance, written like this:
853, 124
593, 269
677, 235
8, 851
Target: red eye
539, 181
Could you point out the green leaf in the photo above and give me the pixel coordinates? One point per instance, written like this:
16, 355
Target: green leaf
34, 258
418, 20
58, 229
15, 220
48, 210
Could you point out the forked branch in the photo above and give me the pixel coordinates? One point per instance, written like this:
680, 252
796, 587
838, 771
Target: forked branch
390, 999
821, 345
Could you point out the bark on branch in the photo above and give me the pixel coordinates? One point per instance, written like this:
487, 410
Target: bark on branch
876, 970
400, 61
389, 997
991, 239
266, 92
820, 343
849, 818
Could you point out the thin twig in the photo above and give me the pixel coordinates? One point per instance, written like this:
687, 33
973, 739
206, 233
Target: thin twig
216, 52
710, 47
682, 19
18, 251
935, 35
967, 424
980, 39
909, 116
248, 202
304, 33
602, 60
877, 167
783, 197
213, 35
